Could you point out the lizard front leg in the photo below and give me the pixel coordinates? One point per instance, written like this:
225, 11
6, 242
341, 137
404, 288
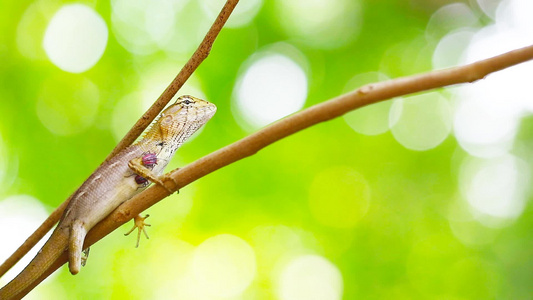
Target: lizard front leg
139, 166
142, 167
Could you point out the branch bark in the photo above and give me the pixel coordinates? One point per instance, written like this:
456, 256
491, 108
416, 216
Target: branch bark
325, 111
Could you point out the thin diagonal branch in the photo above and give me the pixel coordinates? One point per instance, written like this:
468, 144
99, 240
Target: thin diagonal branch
325, 111
196, 59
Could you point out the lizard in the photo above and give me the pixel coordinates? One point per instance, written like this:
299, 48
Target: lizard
113, 183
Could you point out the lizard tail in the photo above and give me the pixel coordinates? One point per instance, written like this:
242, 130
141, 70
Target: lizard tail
75, 246
40, 263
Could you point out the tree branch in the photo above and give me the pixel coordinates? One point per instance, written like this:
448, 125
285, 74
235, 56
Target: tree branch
325, 111
196, 59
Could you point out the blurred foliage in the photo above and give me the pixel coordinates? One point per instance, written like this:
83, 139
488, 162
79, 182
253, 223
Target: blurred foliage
400, 243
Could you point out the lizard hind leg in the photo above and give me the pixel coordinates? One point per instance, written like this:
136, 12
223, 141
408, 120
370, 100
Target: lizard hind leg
75, 246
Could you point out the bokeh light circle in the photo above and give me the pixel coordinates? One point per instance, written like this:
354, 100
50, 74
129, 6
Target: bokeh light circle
146, 26
451, 17
516, 15
450, 49
30, 31
421, 122
127, 111
68, 105
272, 87
322, 24
224, 265
489, 7
310, 277
495, 188
274, 243
481, 125
75, 38
21, 214
241, 15
466, 228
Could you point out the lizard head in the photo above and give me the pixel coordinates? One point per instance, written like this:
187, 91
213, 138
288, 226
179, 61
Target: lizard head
180, 120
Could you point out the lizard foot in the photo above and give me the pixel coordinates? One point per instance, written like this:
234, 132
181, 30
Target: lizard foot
167, 178
85, 256
141, 226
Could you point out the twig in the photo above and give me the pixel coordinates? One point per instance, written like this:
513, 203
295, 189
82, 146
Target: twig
196, 59
325, 111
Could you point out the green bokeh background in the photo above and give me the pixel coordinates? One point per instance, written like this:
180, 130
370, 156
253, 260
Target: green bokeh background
399, 245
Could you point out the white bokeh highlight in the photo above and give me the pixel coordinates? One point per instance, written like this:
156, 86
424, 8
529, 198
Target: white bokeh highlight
19, 216
275, 243
451, 17
495, 188
310, 277
421, 122
145, 26
489, 7
242, 15
483, 125
75, 38
450, 49
224, 265
516, 16
270, 88
321, 24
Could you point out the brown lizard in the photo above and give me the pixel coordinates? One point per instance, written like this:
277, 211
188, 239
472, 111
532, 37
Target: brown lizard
114, 182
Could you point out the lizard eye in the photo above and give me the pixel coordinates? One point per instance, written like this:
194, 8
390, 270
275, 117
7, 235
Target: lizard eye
186, 102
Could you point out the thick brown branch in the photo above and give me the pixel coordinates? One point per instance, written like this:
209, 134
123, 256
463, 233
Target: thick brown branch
328, 110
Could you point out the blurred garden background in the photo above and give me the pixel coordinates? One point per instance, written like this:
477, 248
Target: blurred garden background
421, 197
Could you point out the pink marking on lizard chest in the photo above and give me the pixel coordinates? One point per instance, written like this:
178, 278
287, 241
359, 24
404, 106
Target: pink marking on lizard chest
149, 159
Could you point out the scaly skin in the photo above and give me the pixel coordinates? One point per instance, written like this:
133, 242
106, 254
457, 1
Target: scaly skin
112, 184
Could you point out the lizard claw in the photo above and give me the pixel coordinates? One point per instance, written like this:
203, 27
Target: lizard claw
141, 226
